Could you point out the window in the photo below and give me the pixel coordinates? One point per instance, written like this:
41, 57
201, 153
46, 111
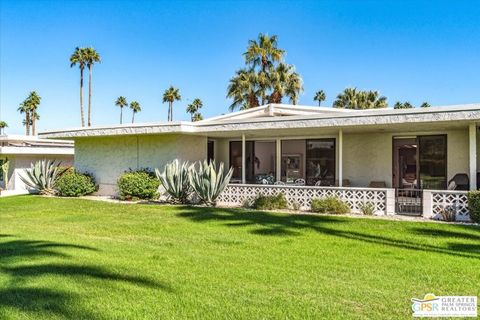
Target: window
210, 151
259, 161
433, 162
320, 162
312, 160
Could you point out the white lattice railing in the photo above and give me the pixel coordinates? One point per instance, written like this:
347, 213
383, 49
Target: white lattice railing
455, 201
237, 194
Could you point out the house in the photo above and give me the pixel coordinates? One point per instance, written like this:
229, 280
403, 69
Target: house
21, 151
402, 153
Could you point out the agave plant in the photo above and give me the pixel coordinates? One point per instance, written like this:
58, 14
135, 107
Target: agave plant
42, 176
208, 182
4, 168
174, 179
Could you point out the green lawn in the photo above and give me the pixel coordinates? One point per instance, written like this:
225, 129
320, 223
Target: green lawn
80, 259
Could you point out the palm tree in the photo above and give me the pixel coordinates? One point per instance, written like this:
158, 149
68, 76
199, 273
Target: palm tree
193, 107
135, 106
243, 88
170, 95
197, 117
33, 102
3, 125
319, 96
91, 57
351, 98
263, 52
294, 87
425, 105
24, 108
78, 58
121, 102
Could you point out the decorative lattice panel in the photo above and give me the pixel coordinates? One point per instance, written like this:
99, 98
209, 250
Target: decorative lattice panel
236, 195
454, 201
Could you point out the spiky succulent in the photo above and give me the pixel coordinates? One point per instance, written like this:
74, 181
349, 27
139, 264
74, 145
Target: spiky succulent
42, 176
208, 181
174, 179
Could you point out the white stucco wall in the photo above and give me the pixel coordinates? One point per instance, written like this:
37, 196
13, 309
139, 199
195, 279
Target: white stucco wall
108, 157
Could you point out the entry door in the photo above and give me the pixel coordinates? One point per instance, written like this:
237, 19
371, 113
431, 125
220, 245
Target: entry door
405, 163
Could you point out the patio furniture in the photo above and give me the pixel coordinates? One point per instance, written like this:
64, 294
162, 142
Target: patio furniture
377, 184
279, 183
300, 182
459, 181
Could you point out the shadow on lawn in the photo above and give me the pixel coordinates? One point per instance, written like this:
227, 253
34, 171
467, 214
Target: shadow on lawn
51, 300
272, 224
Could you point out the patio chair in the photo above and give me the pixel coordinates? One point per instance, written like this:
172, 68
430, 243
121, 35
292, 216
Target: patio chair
377, 184
300, 182
279, 183
459, 181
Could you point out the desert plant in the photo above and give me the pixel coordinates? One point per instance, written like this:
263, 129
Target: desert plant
367, 208
262, 202
134, 185
174, 179
448, 213
75, 184
208, 181
43, 176
246, 203
474, 205
329, 205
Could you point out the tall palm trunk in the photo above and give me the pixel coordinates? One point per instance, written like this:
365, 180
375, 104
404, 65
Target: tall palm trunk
89, 95
82, 116
27, 123
33, 123
121, 115
133, 117
170, 111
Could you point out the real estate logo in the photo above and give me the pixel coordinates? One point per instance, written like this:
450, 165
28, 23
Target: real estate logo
445, 306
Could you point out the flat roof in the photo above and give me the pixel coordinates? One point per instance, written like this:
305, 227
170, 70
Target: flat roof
454, 115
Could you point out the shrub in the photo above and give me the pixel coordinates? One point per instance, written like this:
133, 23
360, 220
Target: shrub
329, 205
174, 179
367, 208
208, 182
134, 185
42, 176
474, 205
270, 202
296, 206
74, 184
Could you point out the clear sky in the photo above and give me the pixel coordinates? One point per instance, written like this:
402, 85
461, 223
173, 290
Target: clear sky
408, 50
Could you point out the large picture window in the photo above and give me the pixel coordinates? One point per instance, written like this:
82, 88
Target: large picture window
320, 162
433, 162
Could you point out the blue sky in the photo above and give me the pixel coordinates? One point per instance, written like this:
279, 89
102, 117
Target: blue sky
408, 50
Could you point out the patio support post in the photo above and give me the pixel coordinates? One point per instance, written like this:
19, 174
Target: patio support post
244, 162
472, 134
340, 157
278, 160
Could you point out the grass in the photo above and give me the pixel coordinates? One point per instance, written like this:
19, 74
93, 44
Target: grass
80, 259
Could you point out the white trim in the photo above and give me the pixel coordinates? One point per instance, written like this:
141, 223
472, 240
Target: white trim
340, 158
37, 150
472, 144
380, 118
244, 162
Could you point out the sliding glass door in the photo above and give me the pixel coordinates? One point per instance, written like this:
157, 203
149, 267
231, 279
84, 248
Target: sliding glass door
420, 162
432, 162
260, 162
320, 166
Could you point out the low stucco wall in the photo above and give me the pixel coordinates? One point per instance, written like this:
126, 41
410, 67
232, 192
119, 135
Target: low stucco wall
108, 157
